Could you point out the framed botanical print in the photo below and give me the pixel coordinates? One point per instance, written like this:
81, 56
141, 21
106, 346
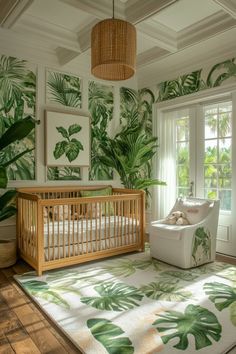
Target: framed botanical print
67, 138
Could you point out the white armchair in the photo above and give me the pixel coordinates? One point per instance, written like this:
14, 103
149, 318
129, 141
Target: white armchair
188, 245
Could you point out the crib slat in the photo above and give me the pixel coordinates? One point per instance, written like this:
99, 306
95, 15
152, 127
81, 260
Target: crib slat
64, 241
122, 219
105, 225
100, 223
78, 231
73, 227
82, 236
96, 227
109, 224
87, 235
136, 220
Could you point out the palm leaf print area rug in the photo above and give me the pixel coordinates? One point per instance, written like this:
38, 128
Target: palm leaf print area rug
136, 304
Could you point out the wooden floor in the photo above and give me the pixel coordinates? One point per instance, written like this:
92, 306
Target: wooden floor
23, 327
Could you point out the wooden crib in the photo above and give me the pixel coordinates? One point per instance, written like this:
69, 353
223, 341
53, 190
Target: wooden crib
56, 227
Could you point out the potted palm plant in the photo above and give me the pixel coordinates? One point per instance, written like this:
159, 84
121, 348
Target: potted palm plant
130, 154
17, 131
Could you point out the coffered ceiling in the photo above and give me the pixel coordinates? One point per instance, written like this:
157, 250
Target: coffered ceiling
176, 32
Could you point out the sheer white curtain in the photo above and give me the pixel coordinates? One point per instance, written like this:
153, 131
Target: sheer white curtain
164, 164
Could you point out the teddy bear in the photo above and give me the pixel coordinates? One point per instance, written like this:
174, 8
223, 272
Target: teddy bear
177, 218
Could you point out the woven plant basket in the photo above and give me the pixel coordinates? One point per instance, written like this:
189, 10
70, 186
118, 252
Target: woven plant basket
7, 253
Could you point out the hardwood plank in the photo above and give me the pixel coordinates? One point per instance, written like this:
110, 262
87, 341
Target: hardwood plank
41, 336
8, 322
3, 279
5, 347
27, 316
8, 272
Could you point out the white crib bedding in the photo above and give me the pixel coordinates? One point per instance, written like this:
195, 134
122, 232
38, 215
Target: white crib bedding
69, 232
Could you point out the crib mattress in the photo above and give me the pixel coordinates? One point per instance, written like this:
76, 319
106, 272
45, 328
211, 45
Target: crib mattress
69, 232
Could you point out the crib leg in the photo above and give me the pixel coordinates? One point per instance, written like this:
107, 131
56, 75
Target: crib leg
39, 272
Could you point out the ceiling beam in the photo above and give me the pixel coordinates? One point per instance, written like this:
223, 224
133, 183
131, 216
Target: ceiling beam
159, 34
137, 11
228, 6
11, 11
150, 56
204, 29
49, 33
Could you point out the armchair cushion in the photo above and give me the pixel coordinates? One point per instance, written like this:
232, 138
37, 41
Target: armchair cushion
195, 210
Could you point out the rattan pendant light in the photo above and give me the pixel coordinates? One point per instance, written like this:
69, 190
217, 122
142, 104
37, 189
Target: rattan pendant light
113, 49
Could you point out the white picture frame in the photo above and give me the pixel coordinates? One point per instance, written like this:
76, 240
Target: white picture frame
67, 137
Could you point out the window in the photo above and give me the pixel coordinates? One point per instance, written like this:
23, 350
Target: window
217, 153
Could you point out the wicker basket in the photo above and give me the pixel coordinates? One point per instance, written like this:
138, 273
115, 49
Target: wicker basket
7, 253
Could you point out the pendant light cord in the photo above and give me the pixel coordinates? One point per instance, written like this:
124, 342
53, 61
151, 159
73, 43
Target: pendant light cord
113, 8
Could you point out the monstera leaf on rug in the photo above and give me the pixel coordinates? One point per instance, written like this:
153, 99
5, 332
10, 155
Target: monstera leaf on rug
138, 305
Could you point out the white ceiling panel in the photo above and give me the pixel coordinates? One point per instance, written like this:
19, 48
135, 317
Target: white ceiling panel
184, 13
58, 13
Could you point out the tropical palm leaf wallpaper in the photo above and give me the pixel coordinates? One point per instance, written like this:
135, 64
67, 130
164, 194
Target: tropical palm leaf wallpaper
101, 105
63, 90
17, 100
65, 173
197, 80
136, 108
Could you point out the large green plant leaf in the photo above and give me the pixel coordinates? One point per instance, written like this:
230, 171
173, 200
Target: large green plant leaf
60, 149
196, 321
51, 292
123, 268
69, 147
221, 295
232, 309
74, 128
228, 273
3, 177
146, 263
202, 237
7, 204
183, 275
114, 297
165, 291
230, 68
127, 267
108, 334
7, 212
17, 131
72, 149
12, 75
63, 132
